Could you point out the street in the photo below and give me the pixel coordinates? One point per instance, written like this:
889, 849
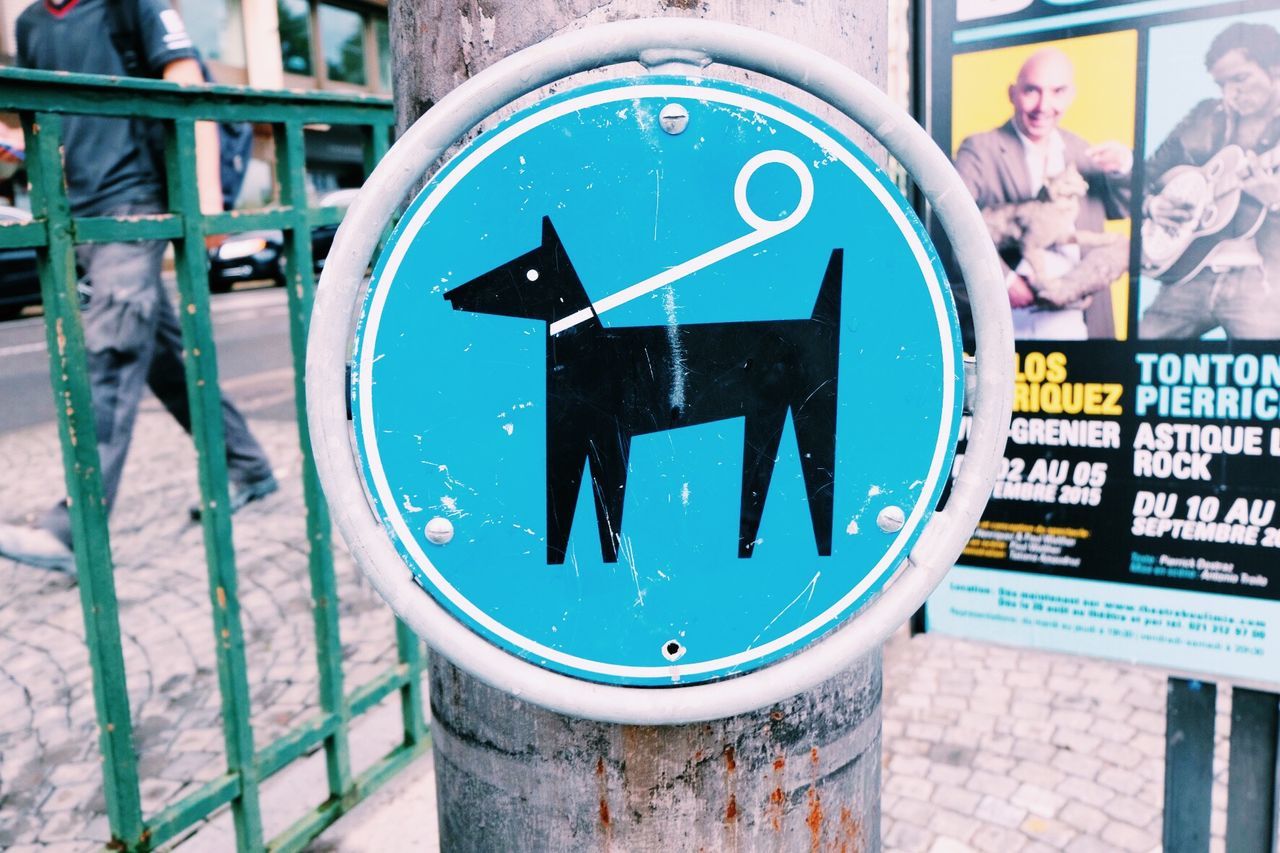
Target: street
251, 329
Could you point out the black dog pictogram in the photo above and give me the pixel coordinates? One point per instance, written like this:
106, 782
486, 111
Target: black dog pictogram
607, 385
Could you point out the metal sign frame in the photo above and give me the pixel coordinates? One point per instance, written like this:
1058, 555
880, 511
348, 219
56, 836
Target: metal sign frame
656, 42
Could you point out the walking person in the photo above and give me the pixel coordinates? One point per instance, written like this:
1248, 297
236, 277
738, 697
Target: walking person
131, 331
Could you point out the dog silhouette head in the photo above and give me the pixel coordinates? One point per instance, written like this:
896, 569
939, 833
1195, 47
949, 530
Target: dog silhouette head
538, 285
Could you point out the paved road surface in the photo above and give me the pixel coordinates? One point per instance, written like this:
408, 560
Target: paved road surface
251, 330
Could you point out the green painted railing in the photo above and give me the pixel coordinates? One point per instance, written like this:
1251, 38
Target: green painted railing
42, 98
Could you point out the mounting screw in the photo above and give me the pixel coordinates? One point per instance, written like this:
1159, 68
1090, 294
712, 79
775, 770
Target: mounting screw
891, 519
439, 531
674, 118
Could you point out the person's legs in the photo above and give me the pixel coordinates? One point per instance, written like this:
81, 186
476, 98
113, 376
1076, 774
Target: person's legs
1180, 311
1248, 305
246, 461
119, 330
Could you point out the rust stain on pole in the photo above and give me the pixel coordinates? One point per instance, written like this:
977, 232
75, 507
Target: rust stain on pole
814, 818
731, 792
850, 832
642, 776
777, 800
606, 828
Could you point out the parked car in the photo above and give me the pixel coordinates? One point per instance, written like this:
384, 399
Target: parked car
322, 235
19, 283
259, 255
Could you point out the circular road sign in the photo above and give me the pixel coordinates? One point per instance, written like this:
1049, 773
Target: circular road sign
655, 384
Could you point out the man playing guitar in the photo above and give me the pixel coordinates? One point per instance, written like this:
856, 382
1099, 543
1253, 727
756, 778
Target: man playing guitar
1225, 278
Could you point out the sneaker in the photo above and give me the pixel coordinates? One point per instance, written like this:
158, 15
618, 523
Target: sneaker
244, 493
37, 547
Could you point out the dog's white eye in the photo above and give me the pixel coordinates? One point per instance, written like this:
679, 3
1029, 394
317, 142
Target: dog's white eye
532, 275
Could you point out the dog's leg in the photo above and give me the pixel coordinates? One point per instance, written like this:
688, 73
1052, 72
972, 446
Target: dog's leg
763, 433
608, 460
565, 461
815, 423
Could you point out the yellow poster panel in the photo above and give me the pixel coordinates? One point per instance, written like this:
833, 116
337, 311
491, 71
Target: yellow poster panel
1106, 71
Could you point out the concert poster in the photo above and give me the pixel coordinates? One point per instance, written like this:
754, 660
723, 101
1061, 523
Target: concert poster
1125, 159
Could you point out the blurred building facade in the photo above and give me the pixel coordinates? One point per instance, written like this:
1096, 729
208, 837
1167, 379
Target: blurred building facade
335, 45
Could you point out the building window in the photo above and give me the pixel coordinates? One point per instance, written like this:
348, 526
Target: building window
342, 37
217, 28
295, 35
334, 42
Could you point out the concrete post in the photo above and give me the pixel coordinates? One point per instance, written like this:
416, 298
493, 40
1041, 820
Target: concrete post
804, 774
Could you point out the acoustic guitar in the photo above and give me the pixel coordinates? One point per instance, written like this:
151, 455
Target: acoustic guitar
1219, 210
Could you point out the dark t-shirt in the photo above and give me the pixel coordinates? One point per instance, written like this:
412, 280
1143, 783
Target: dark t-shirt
108, 161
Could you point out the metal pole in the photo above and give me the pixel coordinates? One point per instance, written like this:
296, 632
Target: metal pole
804, 773
1188, 765
1253, 772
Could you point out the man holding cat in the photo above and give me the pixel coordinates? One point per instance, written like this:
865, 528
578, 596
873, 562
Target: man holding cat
1012, 163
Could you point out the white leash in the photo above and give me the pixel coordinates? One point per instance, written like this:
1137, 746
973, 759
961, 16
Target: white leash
762, 229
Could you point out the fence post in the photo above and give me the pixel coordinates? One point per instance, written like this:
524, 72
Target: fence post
300, 284
802, 773
77, 431
205, 400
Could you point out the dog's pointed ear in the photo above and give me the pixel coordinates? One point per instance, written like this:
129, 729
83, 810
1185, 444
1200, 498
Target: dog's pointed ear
549, 236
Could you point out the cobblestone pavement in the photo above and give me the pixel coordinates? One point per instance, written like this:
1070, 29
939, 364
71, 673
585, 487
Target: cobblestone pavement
985, 748
50, 772
1014, 751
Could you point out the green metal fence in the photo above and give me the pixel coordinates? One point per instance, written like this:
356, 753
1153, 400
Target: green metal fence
42, 98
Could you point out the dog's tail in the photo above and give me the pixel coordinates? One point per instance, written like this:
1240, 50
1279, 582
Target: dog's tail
827, 307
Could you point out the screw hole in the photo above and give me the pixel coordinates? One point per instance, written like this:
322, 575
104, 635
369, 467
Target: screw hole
672, 650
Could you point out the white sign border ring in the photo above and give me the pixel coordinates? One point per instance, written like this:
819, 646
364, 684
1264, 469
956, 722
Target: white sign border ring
401, 171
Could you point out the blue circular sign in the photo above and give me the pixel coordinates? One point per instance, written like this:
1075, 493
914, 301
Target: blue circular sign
656, 382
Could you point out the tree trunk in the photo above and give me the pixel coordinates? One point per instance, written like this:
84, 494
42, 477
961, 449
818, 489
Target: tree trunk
804, 774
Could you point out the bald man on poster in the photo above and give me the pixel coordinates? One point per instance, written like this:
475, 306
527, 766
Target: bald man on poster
1011, 163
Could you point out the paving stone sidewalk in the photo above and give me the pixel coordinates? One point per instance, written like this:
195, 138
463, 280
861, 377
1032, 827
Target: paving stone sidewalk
1013, 751
985, 748
50, 770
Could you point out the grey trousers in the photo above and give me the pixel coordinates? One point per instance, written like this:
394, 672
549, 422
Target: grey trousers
134, 342
1242, 301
